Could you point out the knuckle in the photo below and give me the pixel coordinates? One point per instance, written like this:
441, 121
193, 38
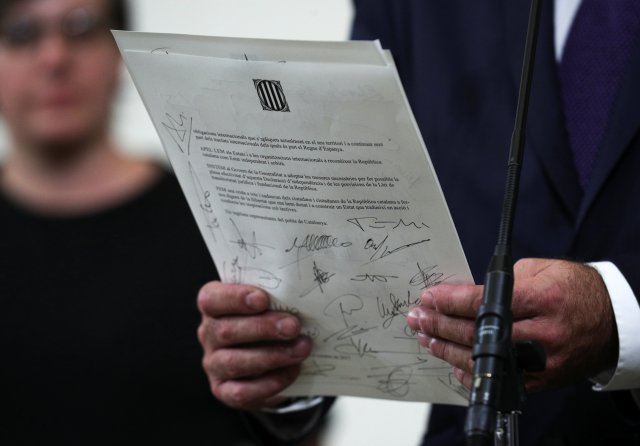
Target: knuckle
466, 333
477, 299
438, 300
448, 353
202, 333
223, 332
237, 396
432, 325
554, 363
437, 349
205, 363
215, 386
470, 364
226, 365
552, 297
210, 366
552, 335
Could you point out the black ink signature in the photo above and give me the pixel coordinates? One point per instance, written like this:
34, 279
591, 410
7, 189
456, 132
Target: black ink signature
381, 250
356, 348
374, 223
395, 307
246, 274
409, 333
372, 278
428, 277
317, 369
451, 382
320, 277
343, 307
252, 247
397, 382
180, 131
348, 333
315, 242
205, 203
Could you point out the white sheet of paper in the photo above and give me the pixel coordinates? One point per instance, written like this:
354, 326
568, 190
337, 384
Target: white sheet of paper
308, 177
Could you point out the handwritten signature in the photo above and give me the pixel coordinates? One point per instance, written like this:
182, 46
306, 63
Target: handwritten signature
316, 369
180, 131
428, 277
356, 347
397, 382
243, 274
320, 278
374, 223
251, 247
382, 250
394, 306
205, 204
344, 307
372, 278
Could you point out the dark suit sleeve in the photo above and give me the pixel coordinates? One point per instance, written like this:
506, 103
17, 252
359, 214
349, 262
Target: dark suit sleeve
374, 19
288, 429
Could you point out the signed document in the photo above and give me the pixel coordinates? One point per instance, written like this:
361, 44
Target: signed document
308, 177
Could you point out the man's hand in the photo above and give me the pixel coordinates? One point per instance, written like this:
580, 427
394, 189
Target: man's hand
250, 353
563, 305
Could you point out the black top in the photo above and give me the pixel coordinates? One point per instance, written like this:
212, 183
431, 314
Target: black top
98, 323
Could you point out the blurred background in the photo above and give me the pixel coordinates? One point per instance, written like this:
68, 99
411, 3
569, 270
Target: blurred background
354, 421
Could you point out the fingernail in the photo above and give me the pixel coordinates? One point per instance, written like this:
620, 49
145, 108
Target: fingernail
432, 300
428, 299
300, 350
255, 300
414, 315
287, 328
425, 341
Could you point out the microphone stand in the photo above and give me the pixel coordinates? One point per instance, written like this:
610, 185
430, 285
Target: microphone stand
497, 390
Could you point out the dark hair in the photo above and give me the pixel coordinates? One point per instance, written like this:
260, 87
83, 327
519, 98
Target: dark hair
119, 12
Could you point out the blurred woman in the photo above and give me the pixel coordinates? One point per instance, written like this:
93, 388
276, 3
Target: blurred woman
99, 255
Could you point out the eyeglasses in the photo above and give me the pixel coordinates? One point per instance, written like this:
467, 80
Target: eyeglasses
77, 25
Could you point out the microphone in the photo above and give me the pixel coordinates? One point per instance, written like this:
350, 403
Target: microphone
497, 387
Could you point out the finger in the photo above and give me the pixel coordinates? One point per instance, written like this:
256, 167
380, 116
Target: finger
456, 355
255, 393
219, 299
551, 335
253, 361
436, 325
269, 326
465, 378
454, 300
413, 317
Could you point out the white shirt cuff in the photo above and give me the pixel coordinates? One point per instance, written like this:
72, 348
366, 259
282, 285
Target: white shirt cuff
296, 405
627, 313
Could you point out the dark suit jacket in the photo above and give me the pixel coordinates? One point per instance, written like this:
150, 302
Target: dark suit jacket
460, 63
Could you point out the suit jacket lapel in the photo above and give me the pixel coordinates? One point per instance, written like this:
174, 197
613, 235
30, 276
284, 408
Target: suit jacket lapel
624, 123
546, 134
